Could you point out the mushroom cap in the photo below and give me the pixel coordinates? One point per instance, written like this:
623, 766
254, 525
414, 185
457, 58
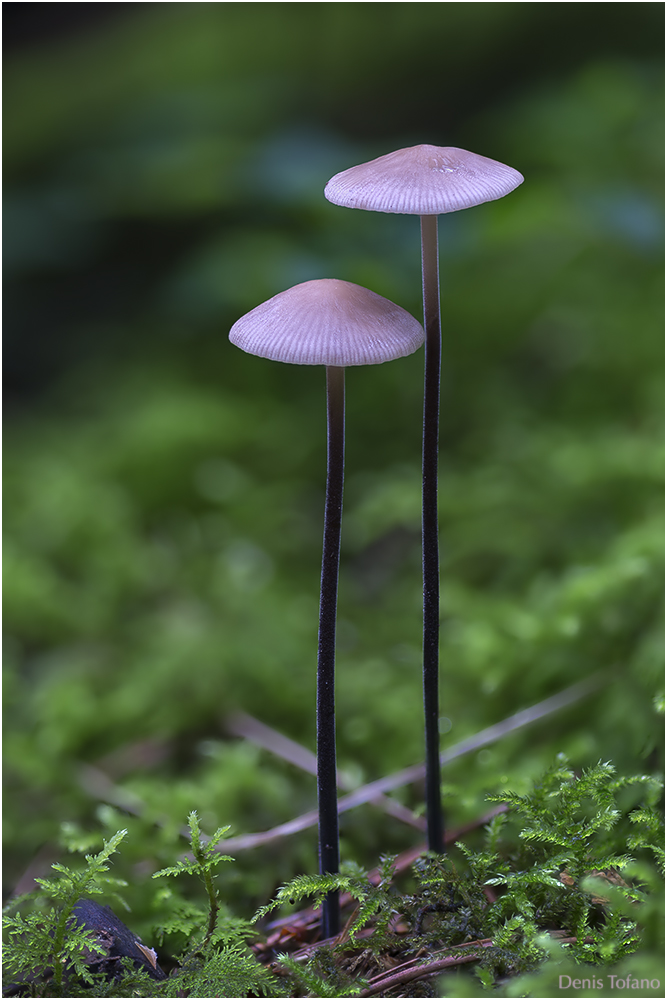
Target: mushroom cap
423, 180
328, 322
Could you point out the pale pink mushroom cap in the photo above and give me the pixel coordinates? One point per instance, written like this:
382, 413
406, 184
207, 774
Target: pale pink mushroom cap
423, 180
328, 322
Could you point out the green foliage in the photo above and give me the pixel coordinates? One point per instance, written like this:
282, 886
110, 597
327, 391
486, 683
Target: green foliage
320, 976
49, 942
49, 950
228, 970
206, 857
375, 900
558, 861
223, 958
555, 864
572, 816
219, 962
571, 874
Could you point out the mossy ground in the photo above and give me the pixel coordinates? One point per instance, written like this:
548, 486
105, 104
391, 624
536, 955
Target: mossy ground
564, 898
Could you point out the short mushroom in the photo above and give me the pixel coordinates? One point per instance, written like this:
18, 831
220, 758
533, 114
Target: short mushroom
332, 323
427, 180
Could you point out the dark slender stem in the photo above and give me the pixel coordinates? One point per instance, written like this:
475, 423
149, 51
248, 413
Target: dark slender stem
327, 797
430, 553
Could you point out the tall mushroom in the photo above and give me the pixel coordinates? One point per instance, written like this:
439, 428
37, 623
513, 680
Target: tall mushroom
427, 181
333, 323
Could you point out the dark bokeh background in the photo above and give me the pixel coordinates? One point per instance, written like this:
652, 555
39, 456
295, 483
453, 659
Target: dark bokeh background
140, 136
164, 168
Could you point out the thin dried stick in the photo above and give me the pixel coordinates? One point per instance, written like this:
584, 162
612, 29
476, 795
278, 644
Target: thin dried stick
385, 981
275, 742
367, 793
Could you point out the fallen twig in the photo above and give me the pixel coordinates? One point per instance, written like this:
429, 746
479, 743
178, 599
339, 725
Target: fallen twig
369, 792
413, 970
418, 969
241, 724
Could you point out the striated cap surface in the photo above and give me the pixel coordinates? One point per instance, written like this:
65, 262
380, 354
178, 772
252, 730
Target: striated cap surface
328, 322
423, 180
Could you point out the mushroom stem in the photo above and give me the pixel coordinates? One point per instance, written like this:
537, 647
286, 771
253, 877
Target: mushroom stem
430, 554
327, 797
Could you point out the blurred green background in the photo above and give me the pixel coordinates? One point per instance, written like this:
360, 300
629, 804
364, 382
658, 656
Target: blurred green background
164, 168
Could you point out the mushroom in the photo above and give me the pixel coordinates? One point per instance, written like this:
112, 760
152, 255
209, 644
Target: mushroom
332, 323
427, 181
